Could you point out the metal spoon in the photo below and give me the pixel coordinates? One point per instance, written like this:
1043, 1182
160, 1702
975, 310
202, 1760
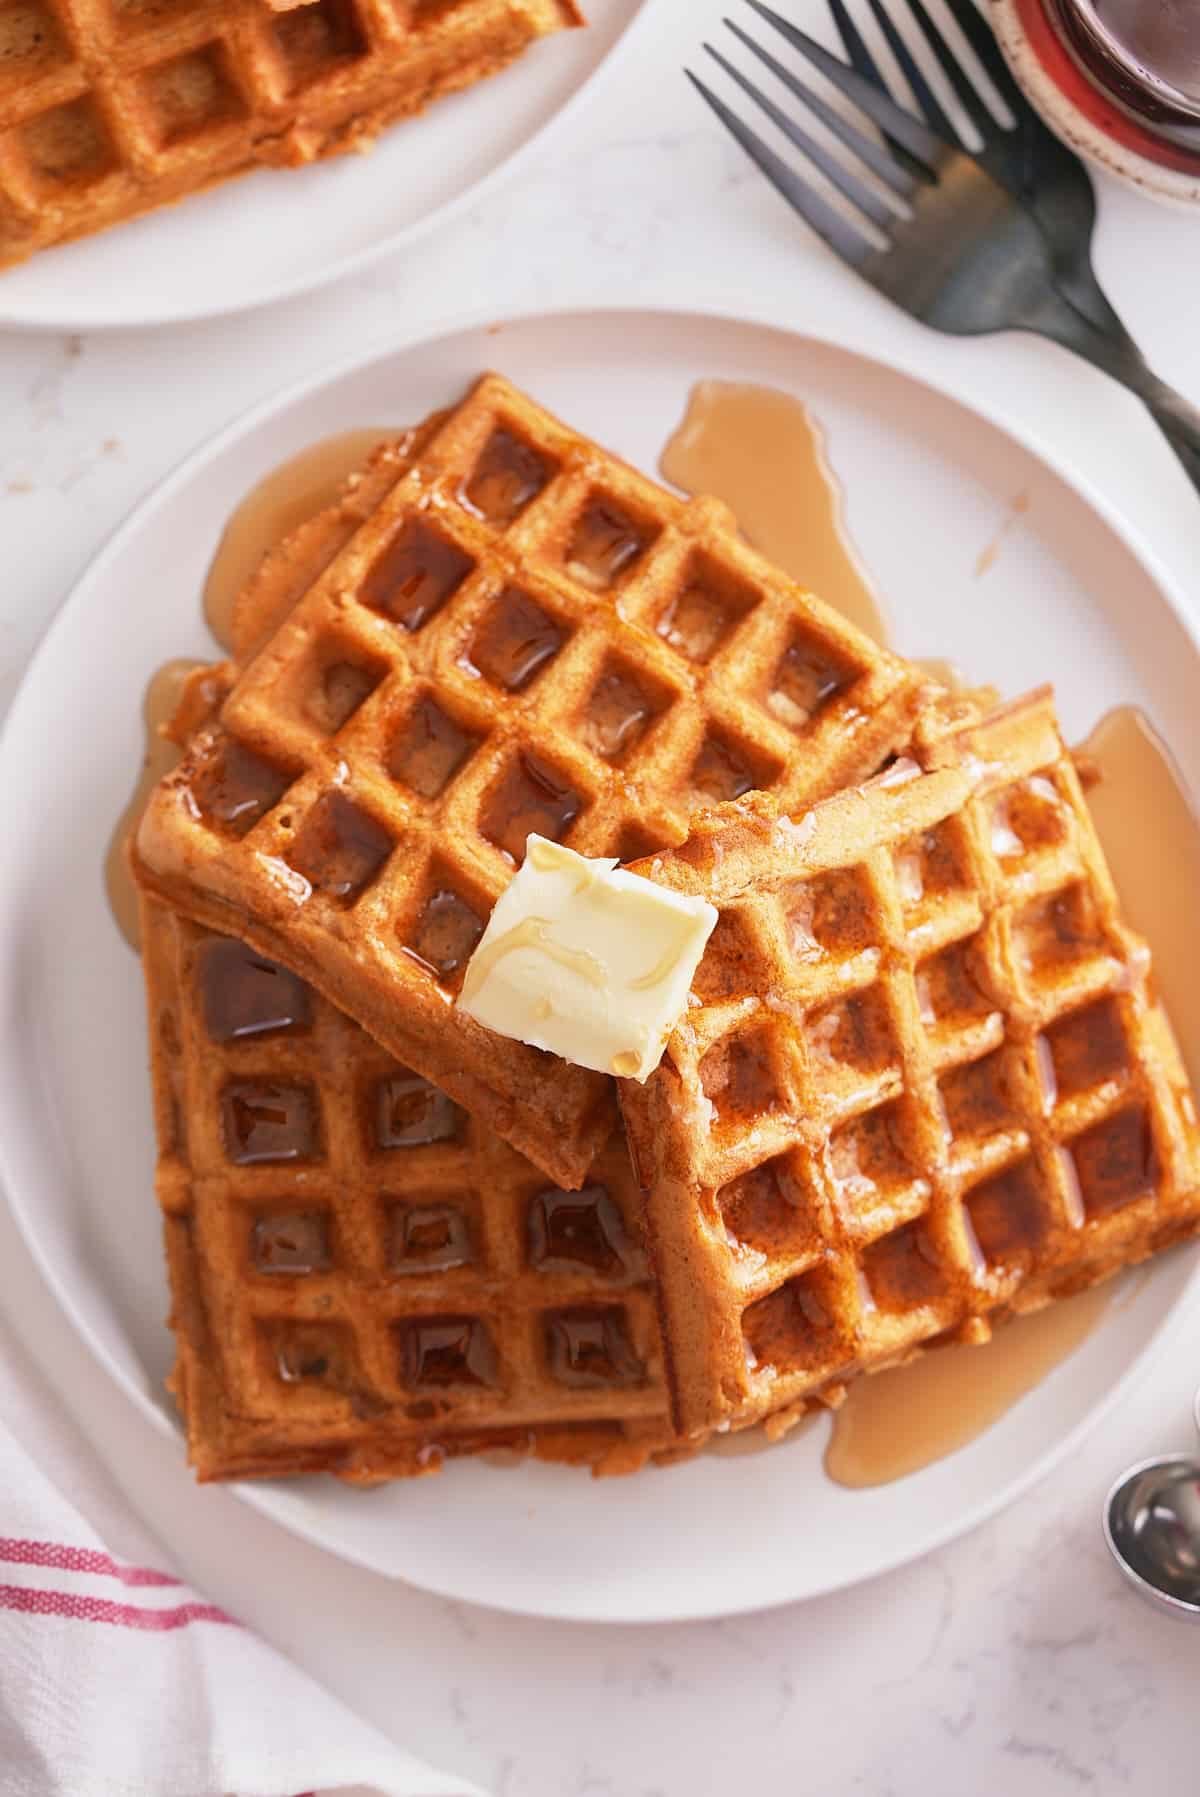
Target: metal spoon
1152, 1527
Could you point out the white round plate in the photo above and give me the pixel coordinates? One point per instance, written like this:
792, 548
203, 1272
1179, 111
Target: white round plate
929, 482
277, 233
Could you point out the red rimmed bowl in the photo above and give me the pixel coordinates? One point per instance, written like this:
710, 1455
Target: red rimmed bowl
1083, 114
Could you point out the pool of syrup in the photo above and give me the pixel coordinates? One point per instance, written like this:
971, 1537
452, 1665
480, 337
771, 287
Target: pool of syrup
159, 756
763, 453
895, 1422
1147, 823
284, 499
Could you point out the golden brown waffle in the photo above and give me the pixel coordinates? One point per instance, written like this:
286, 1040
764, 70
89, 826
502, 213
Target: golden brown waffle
926, 1084
110, 108
525, 634
366, 1281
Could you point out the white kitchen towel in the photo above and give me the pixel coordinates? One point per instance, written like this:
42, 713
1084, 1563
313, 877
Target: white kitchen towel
117, 1680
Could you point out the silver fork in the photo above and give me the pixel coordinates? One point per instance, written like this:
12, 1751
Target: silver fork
1026, 157
950, 245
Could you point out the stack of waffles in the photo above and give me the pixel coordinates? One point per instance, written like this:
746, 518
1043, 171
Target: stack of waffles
923, 1082
110, 108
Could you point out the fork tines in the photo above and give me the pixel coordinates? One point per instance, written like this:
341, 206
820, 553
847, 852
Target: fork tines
900, 168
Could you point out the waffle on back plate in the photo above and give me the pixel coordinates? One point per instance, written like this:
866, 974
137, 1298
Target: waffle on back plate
110, 108
524, 634
365, 1280
926, 1084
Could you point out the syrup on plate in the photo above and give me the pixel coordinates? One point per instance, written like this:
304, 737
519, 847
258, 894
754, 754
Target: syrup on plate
1148, 825
895, 1422
763, 453
160, 755
285, 498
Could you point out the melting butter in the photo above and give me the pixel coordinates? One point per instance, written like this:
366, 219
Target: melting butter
661, 970
562, 964
532, 932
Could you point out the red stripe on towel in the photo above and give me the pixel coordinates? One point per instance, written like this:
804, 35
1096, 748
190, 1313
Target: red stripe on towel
78, 1559
103, 1609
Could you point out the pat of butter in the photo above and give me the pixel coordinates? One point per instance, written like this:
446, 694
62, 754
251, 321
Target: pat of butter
587, 961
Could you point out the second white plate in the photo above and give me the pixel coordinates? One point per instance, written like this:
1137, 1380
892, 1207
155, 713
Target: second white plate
929, 484
277, 233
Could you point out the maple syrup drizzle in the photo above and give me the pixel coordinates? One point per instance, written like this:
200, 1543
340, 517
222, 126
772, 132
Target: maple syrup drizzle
989, 555
896, 1422
411, 1113
763, 453
1150, 832
160, 755
281, 501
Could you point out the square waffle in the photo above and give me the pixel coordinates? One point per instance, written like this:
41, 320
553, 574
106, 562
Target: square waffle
925, 1084
365, 1280
109, 108
524, 634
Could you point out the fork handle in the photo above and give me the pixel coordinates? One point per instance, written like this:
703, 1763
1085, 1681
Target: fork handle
1175, 416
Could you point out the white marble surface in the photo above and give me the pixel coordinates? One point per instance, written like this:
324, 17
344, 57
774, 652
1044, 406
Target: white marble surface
1014, 1660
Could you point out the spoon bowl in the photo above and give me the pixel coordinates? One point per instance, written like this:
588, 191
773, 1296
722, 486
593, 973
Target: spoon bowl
1152, 1527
